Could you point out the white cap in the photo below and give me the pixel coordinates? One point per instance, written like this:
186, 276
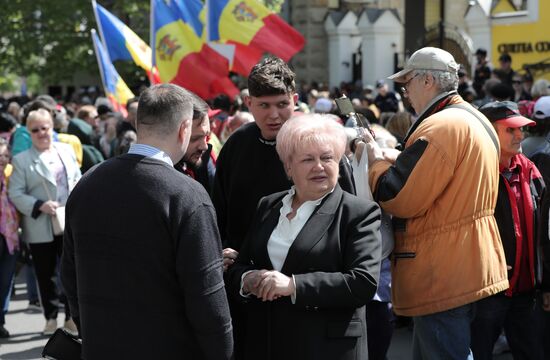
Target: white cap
428, 58
542, 108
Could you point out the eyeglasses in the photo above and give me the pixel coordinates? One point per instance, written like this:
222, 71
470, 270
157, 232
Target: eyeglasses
38, 129
516, 81
406, 84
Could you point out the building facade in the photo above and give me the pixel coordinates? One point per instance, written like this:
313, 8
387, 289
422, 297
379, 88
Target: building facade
351, 40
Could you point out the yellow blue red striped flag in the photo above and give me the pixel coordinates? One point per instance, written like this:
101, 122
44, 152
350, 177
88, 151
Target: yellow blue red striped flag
181, 54
115, 88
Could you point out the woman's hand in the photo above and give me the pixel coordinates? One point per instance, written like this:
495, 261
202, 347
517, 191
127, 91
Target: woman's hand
252, 280
49, 207
273, 285
229, 257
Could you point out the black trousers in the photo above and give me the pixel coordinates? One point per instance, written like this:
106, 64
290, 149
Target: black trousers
380, 324
46, 257
519, 315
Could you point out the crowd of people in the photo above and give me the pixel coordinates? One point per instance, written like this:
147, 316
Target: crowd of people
275, 226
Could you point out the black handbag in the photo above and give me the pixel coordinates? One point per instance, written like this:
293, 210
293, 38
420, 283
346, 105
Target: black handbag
63, 346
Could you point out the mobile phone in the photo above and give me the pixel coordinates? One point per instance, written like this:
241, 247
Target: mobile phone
345, 107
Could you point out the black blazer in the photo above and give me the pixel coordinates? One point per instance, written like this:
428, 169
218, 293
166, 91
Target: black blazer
335, 260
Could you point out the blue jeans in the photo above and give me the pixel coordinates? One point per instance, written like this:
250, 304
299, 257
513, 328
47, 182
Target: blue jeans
521, 318
7, 274
444, 335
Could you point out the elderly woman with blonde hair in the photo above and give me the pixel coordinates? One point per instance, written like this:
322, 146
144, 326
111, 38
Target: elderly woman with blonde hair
311, 259
43, 176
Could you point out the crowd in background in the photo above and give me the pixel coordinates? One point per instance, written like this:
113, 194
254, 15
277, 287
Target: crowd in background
93, 133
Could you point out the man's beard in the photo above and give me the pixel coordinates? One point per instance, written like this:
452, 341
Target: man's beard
193, 164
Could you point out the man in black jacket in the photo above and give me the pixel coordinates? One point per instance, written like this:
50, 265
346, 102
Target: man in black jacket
142, 264
518, 214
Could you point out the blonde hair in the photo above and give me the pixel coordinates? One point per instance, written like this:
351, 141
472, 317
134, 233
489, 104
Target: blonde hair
40, 114
310, 130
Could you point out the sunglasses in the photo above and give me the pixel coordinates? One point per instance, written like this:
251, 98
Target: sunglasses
38, 129
405, 85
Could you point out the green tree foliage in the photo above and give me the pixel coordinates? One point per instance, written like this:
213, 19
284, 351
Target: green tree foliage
44, 37
51, 39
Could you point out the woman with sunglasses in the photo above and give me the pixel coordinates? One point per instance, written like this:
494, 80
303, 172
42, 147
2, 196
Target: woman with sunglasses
42, 179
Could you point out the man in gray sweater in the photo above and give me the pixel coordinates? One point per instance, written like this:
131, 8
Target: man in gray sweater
142, 264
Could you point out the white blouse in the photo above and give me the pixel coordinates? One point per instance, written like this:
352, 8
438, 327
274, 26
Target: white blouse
286, 231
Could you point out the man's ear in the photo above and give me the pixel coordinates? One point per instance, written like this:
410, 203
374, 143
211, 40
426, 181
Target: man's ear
182, 130
295, 98
429, 80
247, 101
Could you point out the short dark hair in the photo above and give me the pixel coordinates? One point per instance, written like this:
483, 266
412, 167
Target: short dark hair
200, 108
103, 109
481, 51
163, 107
222, 102
7, 122
271, 76
505, 57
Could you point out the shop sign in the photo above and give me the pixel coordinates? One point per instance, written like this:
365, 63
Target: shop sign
524, 47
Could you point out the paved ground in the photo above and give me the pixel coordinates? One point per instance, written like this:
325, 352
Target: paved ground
27, 341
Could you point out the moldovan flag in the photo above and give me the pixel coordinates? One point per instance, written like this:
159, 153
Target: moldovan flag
254, 29
180, 53
122, 43
115, 88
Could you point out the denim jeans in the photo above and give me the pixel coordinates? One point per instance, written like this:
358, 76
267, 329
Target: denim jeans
444, 335
521, 318
7, 272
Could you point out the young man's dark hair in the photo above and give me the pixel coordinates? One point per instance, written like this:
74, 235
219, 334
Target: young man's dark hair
271, 76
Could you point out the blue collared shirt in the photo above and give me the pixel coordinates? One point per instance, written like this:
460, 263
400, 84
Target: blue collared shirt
150, 151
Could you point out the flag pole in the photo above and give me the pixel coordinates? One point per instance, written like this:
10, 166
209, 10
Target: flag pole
98, 22
101, 73
152, 41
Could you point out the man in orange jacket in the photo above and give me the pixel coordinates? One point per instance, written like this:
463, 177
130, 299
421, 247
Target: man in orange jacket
441, 190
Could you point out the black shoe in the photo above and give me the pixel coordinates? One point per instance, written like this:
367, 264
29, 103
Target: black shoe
3, 332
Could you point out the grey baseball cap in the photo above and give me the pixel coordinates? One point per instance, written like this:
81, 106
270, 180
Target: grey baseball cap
428, 58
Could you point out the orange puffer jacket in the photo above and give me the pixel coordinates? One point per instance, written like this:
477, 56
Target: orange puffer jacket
444, 188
